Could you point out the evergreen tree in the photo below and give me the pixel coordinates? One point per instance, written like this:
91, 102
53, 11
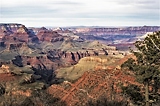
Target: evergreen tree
147, 65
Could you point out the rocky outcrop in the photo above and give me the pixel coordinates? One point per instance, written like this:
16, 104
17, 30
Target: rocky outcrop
73, 57
38, 62
48, 35
4, 69
16, 31
96, 59
68, 33
11, 27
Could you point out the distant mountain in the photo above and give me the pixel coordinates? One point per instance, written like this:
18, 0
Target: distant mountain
114, 35
117, 30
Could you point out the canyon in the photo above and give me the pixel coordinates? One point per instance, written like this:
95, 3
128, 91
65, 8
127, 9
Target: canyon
75, 65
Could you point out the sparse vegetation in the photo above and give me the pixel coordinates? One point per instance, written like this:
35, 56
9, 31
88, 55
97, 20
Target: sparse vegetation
38, 98
103, 101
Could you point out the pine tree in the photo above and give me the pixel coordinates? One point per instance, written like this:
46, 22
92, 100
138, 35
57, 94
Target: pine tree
147, 64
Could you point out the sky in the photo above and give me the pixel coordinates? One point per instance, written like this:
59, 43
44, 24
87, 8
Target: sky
38, 13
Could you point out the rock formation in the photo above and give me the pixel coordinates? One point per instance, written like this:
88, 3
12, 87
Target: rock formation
115, 35
46, 50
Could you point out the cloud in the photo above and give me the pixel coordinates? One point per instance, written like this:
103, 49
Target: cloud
71, 12
56, 22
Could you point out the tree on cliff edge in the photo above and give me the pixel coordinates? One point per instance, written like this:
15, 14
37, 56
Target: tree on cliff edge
147, 65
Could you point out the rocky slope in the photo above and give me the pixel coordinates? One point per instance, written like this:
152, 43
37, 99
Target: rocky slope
97, 82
